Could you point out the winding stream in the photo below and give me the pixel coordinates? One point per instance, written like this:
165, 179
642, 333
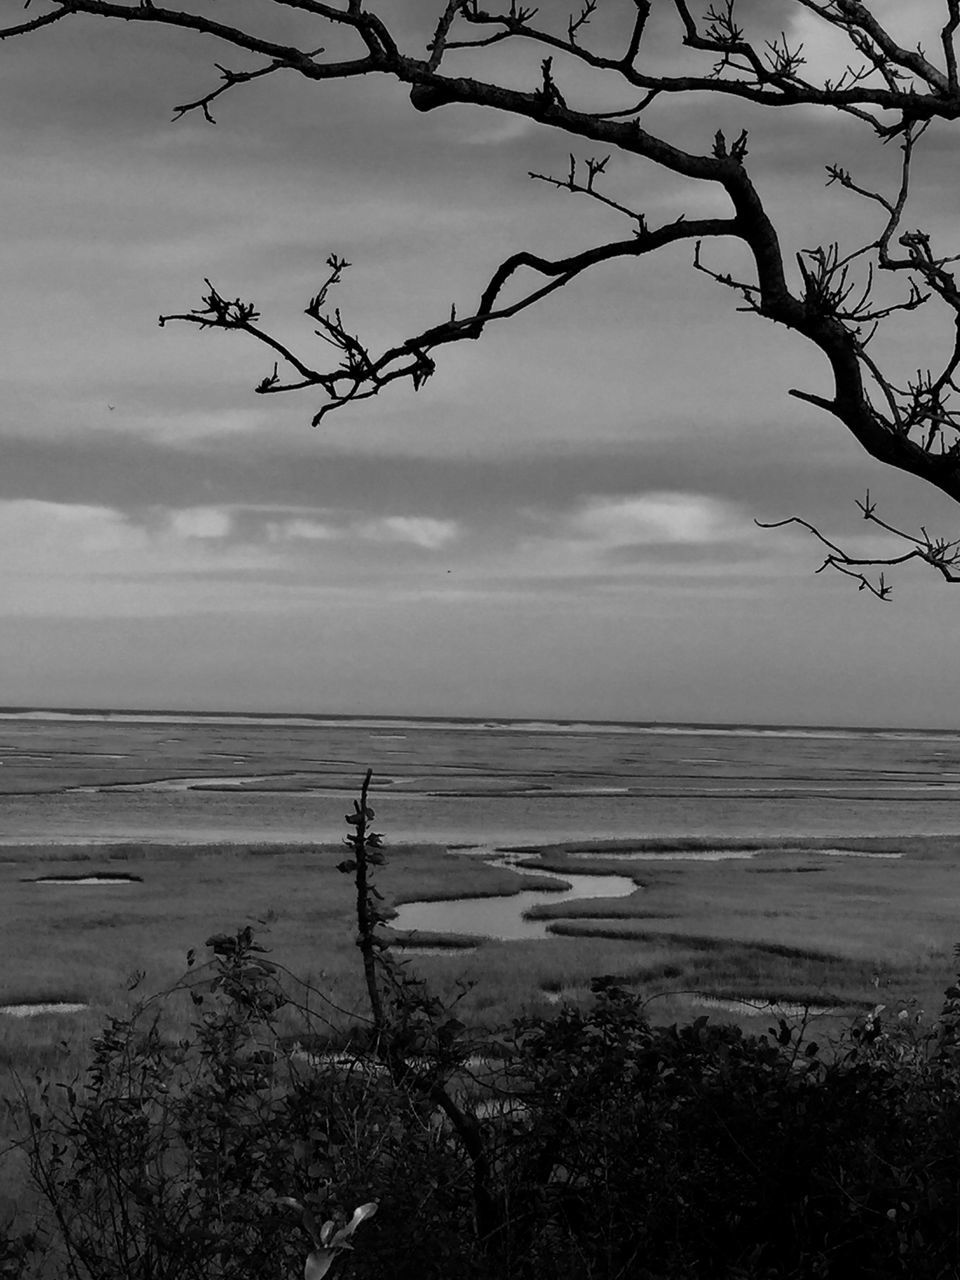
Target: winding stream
503, 917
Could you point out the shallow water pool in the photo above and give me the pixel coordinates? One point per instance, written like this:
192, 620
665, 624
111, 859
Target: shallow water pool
504, 916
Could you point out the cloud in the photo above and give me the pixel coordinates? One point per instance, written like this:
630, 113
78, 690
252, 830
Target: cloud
484, 131
201, 522
426, 532
659, 517
34, 532
72, 560
300, 528
418, 531
604, 543
67, 559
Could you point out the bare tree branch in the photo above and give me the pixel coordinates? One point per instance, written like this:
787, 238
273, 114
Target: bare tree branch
948, 38
361, 375
34, 24
939, 553
438, 44
908, 420
230, 79
595, 168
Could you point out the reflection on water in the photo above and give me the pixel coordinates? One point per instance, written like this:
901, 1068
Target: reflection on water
400, 951
856, 853
678, 855
86, 880
749, 1007
35, 1010
504, 917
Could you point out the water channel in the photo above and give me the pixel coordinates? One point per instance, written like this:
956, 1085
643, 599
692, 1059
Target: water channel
503, 916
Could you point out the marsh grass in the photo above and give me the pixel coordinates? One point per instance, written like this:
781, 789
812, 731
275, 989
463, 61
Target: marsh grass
100, 934
86, 943
858, 932
651, 844
857, 926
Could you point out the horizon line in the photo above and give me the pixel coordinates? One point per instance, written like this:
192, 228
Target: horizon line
462, 719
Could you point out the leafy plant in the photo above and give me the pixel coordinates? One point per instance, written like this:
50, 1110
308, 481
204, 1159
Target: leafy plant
328, 1240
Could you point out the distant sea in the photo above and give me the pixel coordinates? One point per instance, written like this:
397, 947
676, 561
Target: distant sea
90, 776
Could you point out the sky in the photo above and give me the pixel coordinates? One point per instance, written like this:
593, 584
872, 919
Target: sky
559, 524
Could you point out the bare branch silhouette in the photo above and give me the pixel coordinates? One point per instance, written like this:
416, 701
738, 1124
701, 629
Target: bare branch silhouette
939, 553
907, 418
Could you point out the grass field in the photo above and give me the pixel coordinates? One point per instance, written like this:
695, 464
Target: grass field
788, 921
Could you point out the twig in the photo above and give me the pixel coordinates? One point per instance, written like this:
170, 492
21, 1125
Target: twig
939, 553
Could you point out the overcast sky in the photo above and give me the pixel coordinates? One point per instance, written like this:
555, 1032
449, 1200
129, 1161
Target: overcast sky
559, 524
